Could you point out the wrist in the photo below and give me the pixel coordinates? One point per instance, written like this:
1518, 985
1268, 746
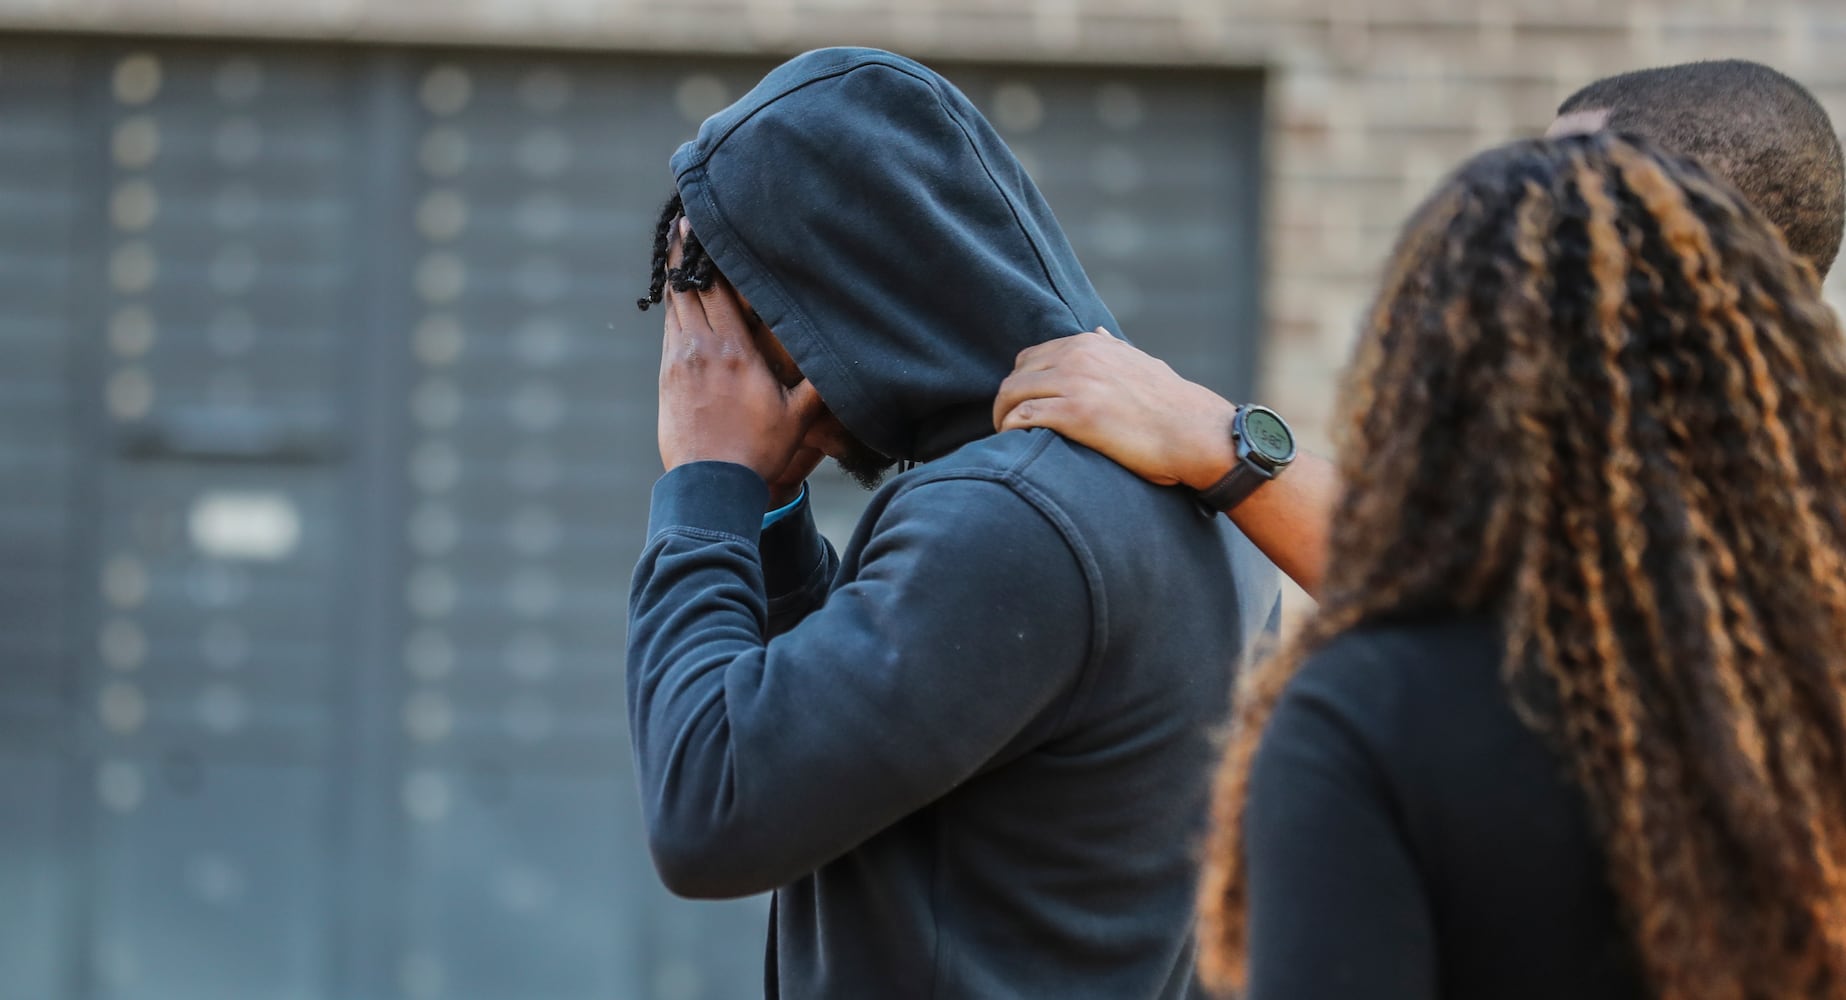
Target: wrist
1264, 446
1210, 450
713, 495
783, 494
754, 461
780, 506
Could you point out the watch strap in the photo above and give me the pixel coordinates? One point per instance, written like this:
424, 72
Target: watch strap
1235, 486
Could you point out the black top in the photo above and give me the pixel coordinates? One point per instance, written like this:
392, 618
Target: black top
1409, 837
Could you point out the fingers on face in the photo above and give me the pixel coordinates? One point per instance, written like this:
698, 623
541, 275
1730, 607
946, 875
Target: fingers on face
688, 304
725, 313
676, 242
688, 310
673, 345
686, 330
682, 307
804, 402
714, 311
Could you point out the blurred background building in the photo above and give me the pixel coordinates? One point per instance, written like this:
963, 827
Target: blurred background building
326, 417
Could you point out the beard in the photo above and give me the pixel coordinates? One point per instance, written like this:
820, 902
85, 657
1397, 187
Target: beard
866, 465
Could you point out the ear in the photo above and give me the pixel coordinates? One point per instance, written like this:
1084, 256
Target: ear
1578, 123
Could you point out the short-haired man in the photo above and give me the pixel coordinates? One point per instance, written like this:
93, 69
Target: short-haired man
970, 753
1744, 121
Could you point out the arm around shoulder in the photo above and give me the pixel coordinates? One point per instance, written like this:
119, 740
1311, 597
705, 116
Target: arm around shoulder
1290, 517
1106, 394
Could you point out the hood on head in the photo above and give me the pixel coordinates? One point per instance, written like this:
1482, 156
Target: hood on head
878, 224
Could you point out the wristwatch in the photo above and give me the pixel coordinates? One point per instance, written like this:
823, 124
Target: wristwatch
1265, 446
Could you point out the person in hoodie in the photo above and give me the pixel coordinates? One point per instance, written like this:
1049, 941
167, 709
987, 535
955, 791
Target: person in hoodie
969, 753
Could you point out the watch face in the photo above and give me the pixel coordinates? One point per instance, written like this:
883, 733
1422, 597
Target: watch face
1268, 435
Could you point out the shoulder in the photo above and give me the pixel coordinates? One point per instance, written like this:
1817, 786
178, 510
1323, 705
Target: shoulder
1417, 711
1090, 496
1394, 688
991, 485
971, 506
982, 502
1041, 459
973, 555
1140, 539
1005, 455
1366, 706
1392, 668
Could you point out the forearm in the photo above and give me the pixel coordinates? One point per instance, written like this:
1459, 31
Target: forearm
1289, 519
759, 760
705, 732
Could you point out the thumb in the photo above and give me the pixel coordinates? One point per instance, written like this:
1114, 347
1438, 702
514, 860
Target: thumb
804, 402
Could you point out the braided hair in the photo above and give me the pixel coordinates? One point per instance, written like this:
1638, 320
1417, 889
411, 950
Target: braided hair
695, 272
1599, 400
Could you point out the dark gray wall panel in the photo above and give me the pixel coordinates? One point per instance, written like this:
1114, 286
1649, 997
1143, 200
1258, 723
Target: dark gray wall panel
40, 867
36, 872
211, 881
326, 439
38, 202
523, 884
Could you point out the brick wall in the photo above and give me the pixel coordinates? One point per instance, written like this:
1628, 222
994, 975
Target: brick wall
1370, 100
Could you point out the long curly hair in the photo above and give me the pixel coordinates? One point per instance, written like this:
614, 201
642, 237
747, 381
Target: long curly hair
1599, 400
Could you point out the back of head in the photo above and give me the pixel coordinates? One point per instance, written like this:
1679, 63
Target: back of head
1748, 124
1600, 401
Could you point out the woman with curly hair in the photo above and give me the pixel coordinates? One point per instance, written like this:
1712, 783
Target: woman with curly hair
1570, 720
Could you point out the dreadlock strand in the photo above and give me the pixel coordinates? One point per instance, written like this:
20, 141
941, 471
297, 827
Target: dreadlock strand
696, 270
657, 266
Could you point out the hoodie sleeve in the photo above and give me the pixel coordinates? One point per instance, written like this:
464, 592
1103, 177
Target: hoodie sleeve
759, 760
798, 566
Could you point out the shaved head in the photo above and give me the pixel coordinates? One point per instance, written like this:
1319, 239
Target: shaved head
1747, 123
